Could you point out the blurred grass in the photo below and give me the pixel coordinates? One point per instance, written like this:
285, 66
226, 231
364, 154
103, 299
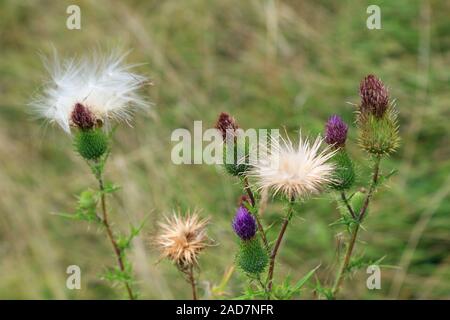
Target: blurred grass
269, 63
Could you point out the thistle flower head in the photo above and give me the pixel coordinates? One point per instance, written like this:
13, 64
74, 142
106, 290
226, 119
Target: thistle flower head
374, 96
336, 131
82, 117
182, 238
89, 91
295, 172
227, 125
244, 224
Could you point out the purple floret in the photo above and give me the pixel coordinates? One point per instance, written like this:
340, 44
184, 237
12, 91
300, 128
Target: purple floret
244, 224
374, 96
336, 131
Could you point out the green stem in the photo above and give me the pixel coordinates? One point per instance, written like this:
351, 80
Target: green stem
375, 176
258, 221
344, 266
345, 263
273, 255
192, 282
347, 204
117, 251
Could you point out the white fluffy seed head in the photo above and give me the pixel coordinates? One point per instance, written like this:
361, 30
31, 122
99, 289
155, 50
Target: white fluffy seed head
102, 83
295, 172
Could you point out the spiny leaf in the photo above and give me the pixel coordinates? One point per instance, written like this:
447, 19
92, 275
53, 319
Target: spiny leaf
383, 178
116, 275
360, 262
324, 291
124, 242
86, 208
303, 280
110, 187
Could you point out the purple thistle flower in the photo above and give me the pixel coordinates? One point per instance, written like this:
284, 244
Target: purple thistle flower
244, 224
336, 131
227, 125
374, 96
82, 117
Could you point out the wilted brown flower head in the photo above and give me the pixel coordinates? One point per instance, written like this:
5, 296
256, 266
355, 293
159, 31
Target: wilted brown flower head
82, 117
374, 96
226, 123
182, 238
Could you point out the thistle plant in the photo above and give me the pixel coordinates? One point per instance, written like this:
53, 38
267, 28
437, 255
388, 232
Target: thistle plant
290, 173
238, 167
295, 173
234, 154
344, 174
181, 239
84, 98
376, 120
252, 257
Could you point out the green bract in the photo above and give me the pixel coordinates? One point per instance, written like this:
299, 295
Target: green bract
252, 258
91, 144
344, 173
357, 202
379, 136
237, 162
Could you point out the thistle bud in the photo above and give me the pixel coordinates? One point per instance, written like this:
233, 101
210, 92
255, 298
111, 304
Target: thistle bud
344, 172
235, 156
91, 144
252, 258
379, 136
336, 132
235, 153
226, 125
244, 224
377, 118
357, 202
244, 200
82, 117
374, 96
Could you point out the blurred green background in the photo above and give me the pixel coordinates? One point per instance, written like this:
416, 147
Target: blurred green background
272, 64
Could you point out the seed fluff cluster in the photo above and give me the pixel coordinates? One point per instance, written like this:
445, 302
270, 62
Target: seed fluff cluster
182, 238
89, 91
294, 172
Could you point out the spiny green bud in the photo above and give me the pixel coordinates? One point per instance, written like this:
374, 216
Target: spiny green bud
235, 163
252, 258
91, 144
87, 199
235, 153
379, 136
357, 201
344, 172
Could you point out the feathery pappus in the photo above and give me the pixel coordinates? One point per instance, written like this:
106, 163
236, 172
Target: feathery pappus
91, 91
296, 172
182, 238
